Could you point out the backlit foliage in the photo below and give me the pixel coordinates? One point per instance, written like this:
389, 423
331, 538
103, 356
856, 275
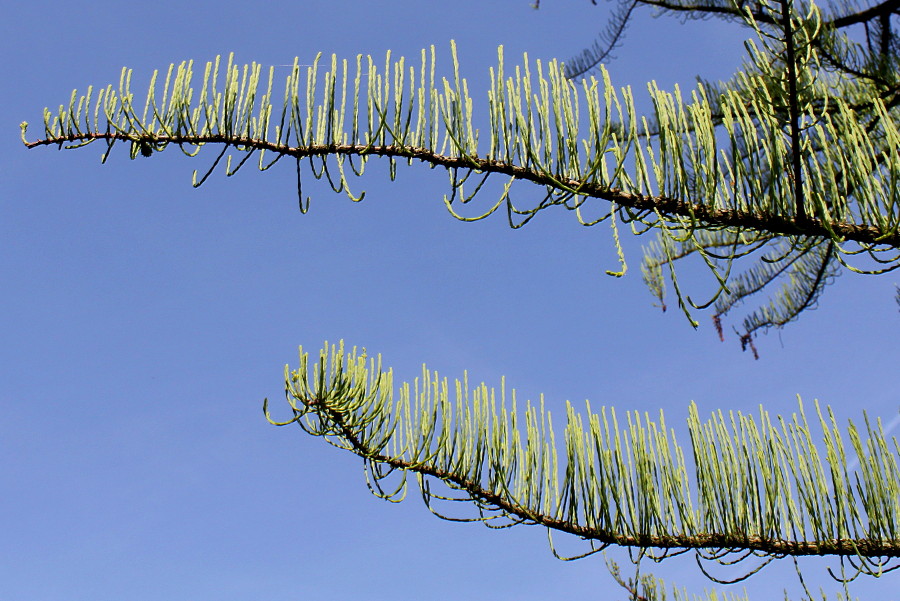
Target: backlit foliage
712, 170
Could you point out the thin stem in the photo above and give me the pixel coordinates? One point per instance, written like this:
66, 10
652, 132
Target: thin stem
786, 6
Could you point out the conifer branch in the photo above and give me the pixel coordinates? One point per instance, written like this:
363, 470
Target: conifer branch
714, 161
757, 486
666, 207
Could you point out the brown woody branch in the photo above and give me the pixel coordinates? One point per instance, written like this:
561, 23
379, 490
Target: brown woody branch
842, 547
784, 225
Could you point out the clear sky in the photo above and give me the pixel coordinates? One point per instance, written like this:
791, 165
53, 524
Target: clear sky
144, 321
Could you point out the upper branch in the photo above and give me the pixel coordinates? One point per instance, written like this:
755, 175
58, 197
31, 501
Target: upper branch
721, 159
666, 207
578, 141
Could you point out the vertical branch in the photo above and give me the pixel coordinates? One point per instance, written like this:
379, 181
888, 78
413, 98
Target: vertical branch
794, 110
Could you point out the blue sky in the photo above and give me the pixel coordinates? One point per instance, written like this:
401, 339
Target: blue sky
144, 322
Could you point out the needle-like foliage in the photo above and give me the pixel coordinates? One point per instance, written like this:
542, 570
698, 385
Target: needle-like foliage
757, 167
744, 484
